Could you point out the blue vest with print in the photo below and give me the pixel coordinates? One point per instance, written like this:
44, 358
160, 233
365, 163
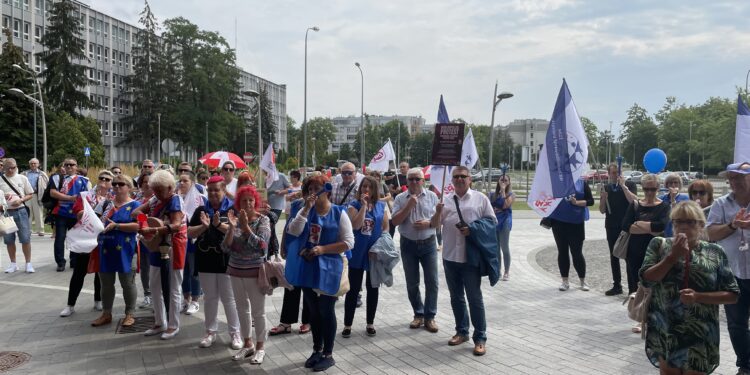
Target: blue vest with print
570, 213
366, 236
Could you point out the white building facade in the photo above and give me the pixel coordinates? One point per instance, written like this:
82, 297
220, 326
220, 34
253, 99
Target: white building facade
348, 127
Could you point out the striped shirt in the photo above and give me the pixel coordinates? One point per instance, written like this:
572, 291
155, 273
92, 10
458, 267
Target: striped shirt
247, 253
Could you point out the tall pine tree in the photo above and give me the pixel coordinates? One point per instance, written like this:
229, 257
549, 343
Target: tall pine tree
64, 77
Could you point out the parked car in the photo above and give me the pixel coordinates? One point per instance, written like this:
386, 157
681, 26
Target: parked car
683, 176
595, 176
634, 176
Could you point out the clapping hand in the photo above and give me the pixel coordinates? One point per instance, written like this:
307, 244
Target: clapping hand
231, 220
216, 219
110, 227
244, 222
205, 220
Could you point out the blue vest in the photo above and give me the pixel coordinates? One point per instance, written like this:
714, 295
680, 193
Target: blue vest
366, 236
570, 213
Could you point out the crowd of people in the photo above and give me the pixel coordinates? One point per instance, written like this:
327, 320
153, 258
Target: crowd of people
209, 235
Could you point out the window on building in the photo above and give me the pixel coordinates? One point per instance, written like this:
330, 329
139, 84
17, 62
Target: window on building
106, 54
26, 5
47, 7
27, 58
99, 52
16, 28
83, 21
91, 97
26, 30
106, 103
106, 29
531, 144
38, 33
99, 26
37, 63
6, 1
121, 82
122, 104
91, 73
114, 80
91, 24
38, 7
532, 135
6, 22
98, 78
127, 60
106, 79
127, 36
17, 3
91, 50
122, 57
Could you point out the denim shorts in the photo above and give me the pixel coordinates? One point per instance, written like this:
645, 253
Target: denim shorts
21, 217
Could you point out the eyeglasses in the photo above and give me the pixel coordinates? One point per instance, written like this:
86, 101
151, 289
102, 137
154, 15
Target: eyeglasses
203, 178
148, 166
105, 179
650, 190
118, 184
228, 169
414, 179
70, 164
183, 170
347, 173
460, 177
688, 222
698, 192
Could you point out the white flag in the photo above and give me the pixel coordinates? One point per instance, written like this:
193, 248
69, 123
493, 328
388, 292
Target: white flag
268, 164
436, 178
381, 160
469, 153
193, 199
742, 132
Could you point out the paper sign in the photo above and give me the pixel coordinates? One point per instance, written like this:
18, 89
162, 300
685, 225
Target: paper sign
447, 144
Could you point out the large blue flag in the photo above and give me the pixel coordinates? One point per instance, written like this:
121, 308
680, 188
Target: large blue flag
562, 159
442, 117
742, 133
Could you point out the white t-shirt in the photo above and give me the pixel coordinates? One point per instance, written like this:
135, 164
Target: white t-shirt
21, 184
474, 206
232, 187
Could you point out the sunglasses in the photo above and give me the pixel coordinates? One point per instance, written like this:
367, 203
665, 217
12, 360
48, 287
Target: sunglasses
203, 178
415, 179
70, 165
148, 166
228, 169
650, 190
214, 190
688, 222
698, 192
460, 177
347, 173
118, 184
183, 170
105, 179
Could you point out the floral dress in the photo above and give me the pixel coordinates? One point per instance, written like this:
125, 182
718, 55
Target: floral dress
686, 337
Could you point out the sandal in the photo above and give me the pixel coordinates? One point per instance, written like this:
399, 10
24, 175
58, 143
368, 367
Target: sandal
304, 328
280, 330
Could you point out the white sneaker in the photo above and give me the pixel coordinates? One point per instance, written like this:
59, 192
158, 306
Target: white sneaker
29, 268
67, 311
258, 357
146, 303
207, 340
192, 308
168, 336
12, 268
243, 353
236, 341
564, 286
585, 287
153, 331
184, 307
98, 306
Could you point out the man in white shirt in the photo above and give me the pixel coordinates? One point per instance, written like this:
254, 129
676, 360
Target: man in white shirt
17, 190
459, 275
412, 211
38, 180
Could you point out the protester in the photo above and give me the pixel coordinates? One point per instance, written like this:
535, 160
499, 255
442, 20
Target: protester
38, 180
17, 191
369, 216
116, 171
166, 205
277, 192
230, 183
464, 207
64, 218
208, 226
191, 285
702, 192
246, 242
326, 230
729, 225
673, 185
117, 247
345, 192
294, 192
202, 179
568, 223
502, 204
100, 200
412, 211
615, 197
143, 196
688, 278
147, 166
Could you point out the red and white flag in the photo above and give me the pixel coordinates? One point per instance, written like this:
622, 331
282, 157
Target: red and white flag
382, 159
268, 164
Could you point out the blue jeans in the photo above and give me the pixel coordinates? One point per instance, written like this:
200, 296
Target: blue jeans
412, 255
462, 277
62, 224
190, 283
503, 245
737, 324
21, 218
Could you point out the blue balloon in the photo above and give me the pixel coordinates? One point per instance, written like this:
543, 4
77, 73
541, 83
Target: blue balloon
655, 160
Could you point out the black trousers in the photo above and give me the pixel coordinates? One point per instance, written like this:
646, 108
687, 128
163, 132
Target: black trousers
614, 262
76, 280
322, 320
290, 307
350, 303
569, 239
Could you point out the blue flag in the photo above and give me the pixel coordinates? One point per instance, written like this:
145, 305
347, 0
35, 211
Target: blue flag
742, 132
442, 117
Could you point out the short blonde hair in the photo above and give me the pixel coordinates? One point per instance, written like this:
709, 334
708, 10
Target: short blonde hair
688, 210
127, 180
650, 177
161, 178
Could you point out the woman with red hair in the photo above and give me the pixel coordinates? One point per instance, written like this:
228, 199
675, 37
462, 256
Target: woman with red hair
246, 242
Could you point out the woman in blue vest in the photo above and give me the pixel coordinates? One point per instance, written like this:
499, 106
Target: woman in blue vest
502, 204
320, 233
369, 217
568, 227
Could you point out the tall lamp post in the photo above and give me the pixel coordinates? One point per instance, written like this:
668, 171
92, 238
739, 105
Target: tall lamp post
496, 99
690, 151
254, 94
158, 138
362, 119
304, 116
39, 103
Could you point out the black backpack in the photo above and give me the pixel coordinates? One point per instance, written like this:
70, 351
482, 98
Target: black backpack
47, 201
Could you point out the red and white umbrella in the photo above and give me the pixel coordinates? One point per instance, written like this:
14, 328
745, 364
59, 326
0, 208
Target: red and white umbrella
218, 158
426, 170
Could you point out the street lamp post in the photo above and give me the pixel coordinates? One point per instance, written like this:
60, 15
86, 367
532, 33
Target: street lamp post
609, 143
496, 99
158, 138
746, 81
39, 103
304, 116
254, 94
690, 153
362, 120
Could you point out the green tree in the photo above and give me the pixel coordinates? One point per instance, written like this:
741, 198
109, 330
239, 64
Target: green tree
268, 124
421, 148
63, 79
16, 112
373, 142
392, 129
71, 135
640, 134
321, 133
592, 134
345, 152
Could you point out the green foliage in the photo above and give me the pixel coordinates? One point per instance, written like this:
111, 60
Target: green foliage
16, 112
421, 146
70, 136
640, 133
346, 152
64, 79
320, 133
376, 136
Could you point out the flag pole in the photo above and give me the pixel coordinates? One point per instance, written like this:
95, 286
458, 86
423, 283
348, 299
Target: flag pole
442, 188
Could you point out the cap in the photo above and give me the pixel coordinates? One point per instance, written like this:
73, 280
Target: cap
215, 179
740, 168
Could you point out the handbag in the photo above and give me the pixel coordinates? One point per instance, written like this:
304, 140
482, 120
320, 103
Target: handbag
620, 250
639, 302
7, 225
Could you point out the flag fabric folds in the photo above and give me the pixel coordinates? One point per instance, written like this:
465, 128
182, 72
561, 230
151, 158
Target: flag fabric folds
381, 160
562, 159
268, 164
469, 153
442, 116
742, 132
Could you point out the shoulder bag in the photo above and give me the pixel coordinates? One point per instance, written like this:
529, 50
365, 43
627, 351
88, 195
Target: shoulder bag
639, 302
7, 225
620, 250
25, 207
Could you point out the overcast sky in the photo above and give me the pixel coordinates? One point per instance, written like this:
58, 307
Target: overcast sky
612, 53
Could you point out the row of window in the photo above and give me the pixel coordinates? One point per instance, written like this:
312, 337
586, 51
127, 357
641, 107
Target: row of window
102, 78
101, 27
118, 129
22, 27
118, 106
117, 56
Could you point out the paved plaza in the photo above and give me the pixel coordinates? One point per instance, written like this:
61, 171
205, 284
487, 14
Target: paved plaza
532, 328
